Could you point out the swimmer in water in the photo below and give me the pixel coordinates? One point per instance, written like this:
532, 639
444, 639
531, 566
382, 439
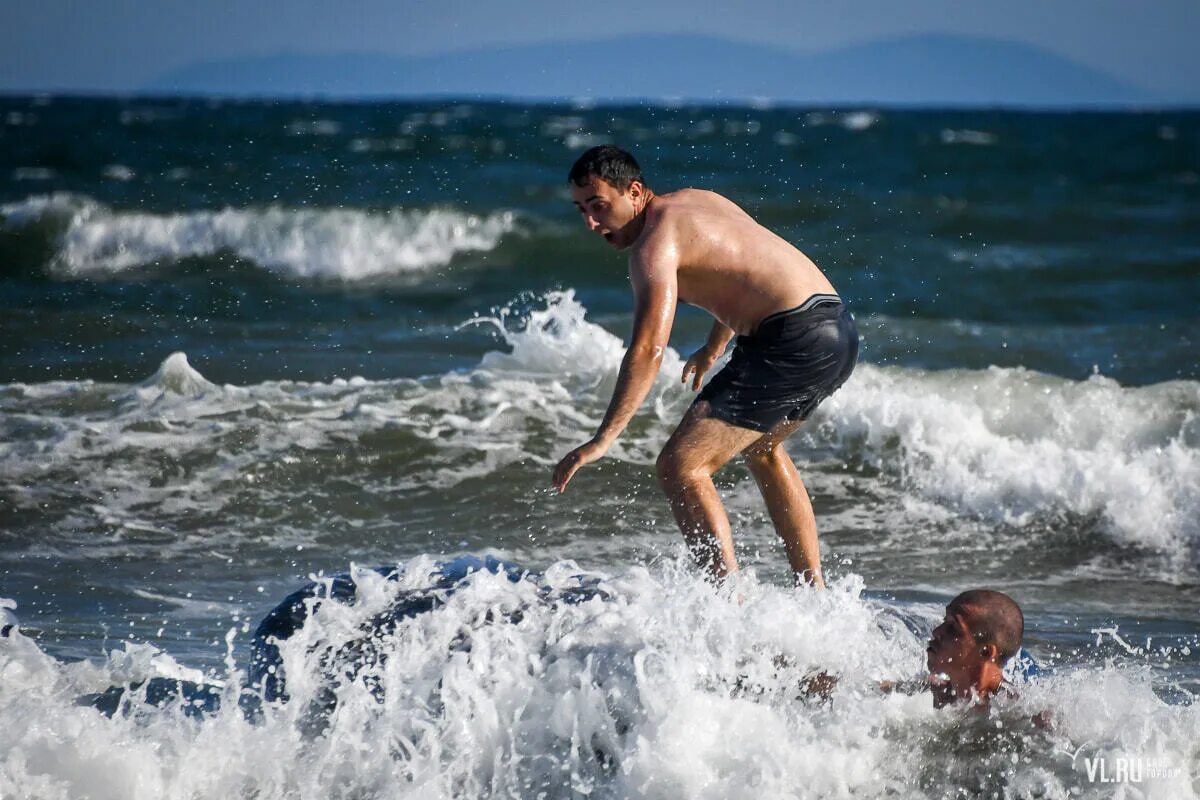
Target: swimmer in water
965, 656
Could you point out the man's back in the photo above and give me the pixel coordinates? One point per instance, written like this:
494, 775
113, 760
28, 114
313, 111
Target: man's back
728, 264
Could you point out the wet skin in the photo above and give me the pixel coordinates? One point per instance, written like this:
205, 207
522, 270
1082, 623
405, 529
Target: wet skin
701, 248
960, 667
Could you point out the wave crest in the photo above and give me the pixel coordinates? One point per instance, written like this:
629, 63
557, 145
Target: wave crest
338, 244
1012, 445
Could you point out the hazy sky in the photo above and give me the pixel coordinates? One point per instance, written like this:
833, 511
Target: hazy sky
124, 44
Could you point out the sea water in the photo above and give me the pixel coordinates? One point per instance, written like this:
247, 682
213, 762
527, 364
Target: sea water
248, 344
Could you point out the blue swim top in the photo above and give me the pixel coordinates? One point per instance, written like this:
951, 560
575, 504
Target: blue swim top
1021, 668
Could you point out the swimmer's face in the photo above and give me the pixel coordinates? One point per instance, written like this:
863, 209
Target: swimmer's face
609, 211
955, 659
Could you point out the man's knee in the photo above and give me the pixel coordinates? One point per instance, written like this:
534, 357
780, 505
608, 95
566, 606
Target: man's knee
667, 467
766, 458
674, 469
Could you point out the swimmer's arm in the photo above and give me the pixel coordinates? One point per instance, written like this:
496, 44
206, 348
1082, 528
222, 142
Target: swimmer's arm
912, 686
819, 686
822, 686
655, 294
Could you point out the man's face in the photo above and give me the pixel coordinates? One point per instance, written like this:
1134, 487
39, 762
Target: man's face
608, 211
953, 657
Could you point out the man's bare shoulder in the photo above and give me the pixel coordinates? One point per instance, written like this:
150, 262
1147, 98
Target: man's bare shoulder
684, 201
673, 217
659, 239
656, 252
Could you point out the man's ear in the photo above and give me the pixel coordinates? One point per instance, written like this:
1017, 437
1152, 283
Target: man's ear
989, 652
636, 189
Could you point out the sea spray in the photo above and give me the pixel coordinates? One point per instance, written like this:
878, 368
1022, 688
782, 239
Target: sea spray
497, 692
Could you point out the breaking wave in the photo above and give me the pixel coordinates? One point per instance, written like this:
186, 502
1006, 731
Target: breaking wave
668, 689
332, 244
1008, 445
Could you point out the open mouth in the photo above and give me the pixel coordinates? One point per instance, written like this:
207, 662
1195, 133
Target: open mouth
608, 237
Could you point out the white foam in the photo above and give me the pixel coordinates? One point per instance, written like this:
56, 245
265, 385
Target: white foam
859, 120
557, 341
670, 689
119, 172
135, 663
340, 244
850, 120
8, 617
542, 391
34, 208
1003, 445
175, 375
565, 368
1011, 444
578, 141
1112, 715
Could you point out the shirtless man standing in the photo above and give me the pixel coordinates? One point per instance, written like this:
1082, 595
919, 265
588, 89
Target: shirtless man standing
796, 345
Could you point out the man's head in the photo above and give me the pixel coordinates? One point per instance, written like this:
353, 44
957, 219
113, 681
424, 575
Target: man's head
606, 185
967, 652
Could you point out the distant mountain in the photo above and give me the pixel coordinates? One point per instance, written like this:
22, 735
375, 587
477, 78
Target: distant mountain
918, 70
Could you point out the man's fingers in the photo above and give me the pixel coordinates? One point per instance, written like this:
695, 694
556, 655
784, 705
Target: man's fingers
572, 461
566, 478
563, 472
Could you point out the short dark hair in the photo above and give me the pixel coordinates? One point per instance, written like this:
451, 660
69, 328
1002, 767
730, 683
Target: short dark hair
994, 618
610, 164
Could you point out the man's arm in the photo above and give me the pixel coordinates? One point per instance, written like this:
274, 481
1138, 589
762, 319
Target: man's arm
718, 337
655, 297
701, 361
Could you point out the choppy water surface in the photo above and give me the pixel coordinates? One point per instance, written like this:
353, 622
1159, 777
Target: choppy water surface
246, 343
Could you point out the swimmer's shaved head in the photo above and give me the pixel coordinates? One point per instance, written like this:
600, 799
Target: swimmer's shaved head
995, 617
967, 652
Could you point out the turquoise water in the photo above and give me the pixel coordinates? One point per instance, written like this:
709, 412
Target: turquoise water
246, 342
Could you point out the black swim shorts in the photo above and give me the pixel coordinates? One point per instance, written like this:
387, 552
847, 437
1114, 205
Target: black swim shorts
792, 361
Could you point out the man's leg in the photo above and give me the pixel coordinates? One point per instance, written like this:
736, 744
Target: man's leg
699, 447
787, 502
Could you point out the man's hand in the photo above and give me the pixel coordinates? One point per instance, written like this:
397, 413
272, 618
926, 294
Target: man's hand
584, 454
699, 363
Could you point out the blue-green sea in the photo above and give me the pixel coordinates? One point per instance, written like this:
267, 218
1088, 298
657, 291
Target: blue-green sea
246, 343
